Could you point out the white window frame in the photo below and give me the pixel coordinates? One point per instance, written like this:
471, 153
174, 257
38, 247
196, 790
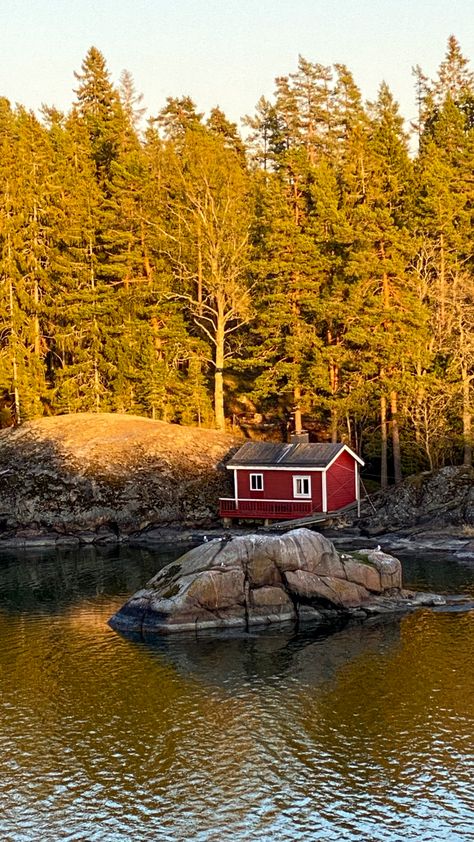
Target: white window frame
299, 478
258, 479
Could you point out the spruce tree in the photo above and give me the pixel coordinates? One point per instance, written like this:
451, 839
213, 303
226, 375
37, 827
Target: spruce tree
378, 260
444, 205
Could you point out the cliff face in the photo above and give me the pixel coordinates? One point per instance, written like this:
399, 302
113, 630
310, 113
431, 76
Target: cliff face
437, 500
109, 473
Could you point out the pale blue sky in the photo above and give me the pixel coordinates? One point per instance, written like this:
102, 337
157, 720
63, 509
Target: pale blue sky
225, 52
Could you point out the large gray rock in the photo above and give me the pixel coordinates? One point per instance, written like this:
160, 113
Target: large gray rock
101, 476
443, 498
254, 580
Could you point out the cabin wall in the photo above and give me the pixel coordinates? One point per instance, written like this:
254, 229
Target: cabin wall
341, 488
278, 485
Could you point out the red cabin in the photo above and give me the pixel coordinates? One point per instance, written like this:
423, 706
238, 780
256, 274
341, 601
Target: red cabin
285, 481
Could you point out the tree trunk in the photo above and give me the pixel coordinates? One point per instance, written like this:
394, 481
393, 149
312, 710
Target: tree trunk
466, 418
397, 462
16, 393
219, 378
383, 446
96, 386
297, 409
442, 283
418, 405
36, 322
13, 342
334, 382
199, 272
145, 256
36, 293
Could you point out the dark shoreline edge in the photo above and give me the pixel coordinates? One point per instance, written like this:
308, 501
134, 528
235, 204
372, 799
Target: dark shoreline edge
446, 541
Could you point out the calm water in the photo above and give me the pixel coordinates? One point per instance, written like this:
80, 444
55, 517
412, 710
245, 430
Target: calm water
366, 734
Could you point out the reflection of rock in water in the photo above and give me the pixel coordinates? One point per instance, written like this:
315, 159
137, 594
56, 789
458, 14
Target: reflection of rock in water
312, 659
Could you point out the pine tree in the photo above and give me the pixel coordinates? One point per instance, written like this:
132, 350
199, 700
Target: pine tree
178, 117
295, 236
131, 100
98, 105
78, 300
26, 185
264, 126
219, 125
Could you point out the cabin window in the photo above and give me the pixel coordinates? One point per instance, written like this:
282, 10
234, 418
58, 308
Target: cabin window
301, 486
256, 482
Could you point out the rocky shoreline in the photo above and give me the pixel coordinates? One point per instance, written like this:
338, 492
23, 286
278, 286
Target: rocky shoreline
78, 480
451, 542
98, 478
445, 541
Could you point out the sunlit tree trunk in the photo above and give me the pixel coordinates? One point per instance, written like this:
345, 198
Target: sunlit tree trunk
397, 466
219, 376
466, 417
383, 444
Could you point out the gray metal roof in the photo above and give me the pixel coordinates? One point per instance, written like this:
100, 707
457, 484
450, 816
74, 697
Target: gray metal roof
263, 454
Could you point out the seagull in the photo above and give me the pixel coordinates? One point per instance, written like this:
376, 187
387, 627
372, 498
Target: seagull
378, 548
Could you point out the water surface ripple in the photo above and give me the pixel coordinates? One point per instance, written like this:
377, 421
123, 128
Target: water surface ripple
365, 734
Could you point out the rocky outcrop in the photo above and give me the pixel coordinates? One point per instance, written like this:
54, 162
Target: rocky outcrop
102, 475
439, 499
255, 580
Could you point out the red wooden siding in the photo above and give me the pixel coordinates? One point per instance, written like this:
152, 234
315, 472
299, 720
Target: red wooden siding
278, 485
341, 482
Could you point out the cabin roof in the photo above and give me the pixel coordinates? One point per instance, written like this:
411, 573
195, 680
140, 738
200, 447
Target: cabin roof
268, 454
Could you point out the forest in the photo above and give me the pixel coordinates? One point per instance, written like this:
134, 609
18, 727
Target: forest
314, 270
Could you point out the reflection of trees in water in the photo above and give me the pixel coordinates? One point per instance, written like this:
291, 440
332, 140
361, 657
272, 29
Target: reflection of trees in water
439, 573
412, 707
184, 724
48, 579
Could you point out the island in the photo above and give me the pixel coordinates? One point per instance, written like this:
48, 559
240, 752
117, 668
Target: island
256, 580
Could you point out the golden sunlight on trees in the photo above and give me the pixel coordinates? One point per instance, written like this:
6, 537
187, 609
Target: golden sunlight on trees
314, 273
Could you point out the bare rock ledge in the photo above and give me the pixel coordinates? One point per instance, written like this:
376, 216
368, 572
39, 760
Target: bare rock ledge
255, 580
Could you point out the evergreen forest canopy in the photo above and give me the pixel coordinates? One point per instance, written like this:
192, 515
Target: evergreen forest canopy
315, 271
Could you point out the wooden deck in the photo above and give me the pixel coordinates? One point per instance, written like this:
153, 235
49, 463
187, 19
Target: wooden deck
285, 514
264, 509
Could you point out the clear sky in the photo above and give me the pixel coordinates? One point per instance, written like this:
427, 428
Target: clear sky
223, 52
